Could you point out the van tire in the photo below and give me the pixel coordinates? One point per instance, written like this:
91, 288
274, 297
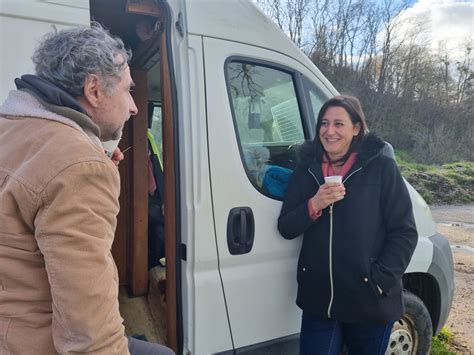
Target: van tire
413, 333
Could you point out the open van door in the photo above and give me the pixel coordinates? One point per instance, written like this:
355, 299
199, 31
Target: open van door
145, 26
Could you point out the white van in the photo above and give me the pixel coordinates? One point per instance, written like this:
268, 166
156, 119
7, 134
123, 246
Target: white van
227, 96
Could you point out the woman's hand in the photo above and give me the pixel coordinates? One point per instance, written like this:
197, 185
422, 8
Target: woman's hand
328, 193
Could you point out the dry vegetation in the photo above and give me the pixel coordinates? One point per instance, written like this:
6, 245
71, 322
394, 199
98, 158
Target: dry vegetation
418, 100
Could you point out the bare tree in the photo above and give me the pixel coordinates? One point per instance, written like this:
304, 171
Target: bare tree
465, 74
322, 49
289, 15
297, 11
370, 49
444, 72
392, 23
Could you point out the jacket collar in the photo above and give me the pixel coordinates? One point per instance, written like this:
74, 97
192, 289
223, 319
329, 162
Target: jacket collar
57, 100
22, 103
310, 155
48, 92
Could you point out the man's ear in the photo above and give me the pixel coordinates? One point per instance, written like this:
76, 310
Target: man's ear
92, 91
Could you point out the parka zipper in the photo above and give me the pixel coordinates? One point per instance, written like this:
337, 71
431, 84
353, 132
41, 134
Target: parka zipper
330, 260
330, 239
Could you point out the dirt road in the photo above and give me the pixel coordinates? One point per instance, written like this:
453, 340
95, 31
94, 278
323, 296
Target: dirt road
457, 224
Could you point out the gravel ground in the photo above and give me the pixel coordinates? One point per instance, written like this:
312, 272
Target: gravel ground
457, 224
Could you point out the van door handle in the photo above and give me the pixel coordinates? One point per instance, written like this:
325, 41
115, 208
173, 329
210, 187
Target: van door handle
240, 230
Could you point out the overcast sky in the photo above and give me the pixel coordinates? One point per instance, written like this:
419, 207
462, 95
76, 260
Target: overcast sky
448, 21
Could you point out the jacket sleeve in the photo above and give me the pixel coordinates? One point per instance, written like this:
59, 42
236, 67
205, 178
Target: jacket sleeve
294, 217
401, 236
75, 229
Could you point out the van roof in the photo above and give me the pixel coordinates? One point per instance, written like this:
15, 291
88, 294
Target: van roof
241, 21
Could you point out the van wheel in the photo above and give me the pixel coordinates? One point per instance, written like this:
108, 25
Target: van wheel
413, 332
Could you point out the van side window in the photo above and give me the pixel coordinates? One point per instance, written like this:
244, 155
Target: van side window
267, 121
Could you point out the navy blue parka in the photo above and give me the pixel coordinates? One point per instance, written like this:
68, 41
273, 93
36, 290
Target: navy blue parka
371, 243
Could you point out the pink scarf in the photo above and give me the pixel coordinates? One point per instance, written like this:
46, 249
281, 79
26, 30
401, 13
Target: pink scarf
328, 168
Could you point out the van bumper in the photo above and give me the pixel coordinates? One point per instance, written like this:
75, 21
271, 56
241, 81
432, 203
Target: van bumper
442, 269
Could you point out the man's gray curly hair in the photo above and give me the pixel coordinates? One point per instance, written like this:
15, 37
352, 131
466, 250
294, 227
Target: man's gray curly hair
67, 57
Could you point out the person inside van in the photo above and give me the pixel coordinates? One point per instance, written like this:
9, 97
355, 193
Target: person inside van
350, 202
59, 199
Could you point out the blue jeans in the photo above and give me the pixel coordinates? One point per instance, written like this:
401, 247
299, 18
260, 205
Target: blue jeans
327, 336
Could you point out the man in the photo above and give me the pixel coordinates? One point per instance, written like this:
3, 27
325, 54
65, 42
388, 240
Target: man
59, 199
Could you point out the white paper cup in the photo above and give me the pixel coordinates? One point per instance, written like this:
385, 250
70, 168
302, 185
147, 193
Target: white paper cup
333, 178
109, 147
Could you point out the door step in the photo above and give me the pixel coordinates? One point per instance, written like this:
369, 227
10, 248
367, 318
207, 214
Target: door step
145, 316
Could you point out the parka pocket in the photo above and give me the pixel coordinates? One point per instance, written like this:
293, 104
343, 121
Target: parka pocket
301, 273
371, 282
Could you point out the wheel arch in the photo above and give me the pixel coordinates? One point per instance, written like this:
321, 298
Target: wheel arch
427, 289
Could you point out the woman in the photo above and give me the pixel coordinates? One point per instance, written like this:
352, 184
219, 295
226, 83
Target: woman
359, 235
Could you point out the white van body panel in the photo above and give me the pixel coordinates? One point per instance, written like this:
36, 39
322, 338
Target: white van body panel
204, 314
23, 23
426, 227
203, 302
422, 257
425, 224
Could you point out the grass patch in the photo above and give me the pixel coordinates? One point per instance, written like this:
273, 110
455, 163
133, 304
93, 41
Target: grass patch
442, 343
446, 184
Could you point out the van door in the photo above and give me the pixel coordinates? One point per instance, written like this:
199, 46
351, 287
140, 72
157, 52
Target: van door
255, 117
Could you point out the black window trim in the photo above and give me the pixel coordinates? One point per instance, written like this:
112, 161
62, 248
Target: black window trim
306, 82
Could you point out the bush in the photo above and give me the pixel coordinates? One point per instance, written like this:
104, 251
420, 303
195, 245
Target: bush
442, 343
447, 184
